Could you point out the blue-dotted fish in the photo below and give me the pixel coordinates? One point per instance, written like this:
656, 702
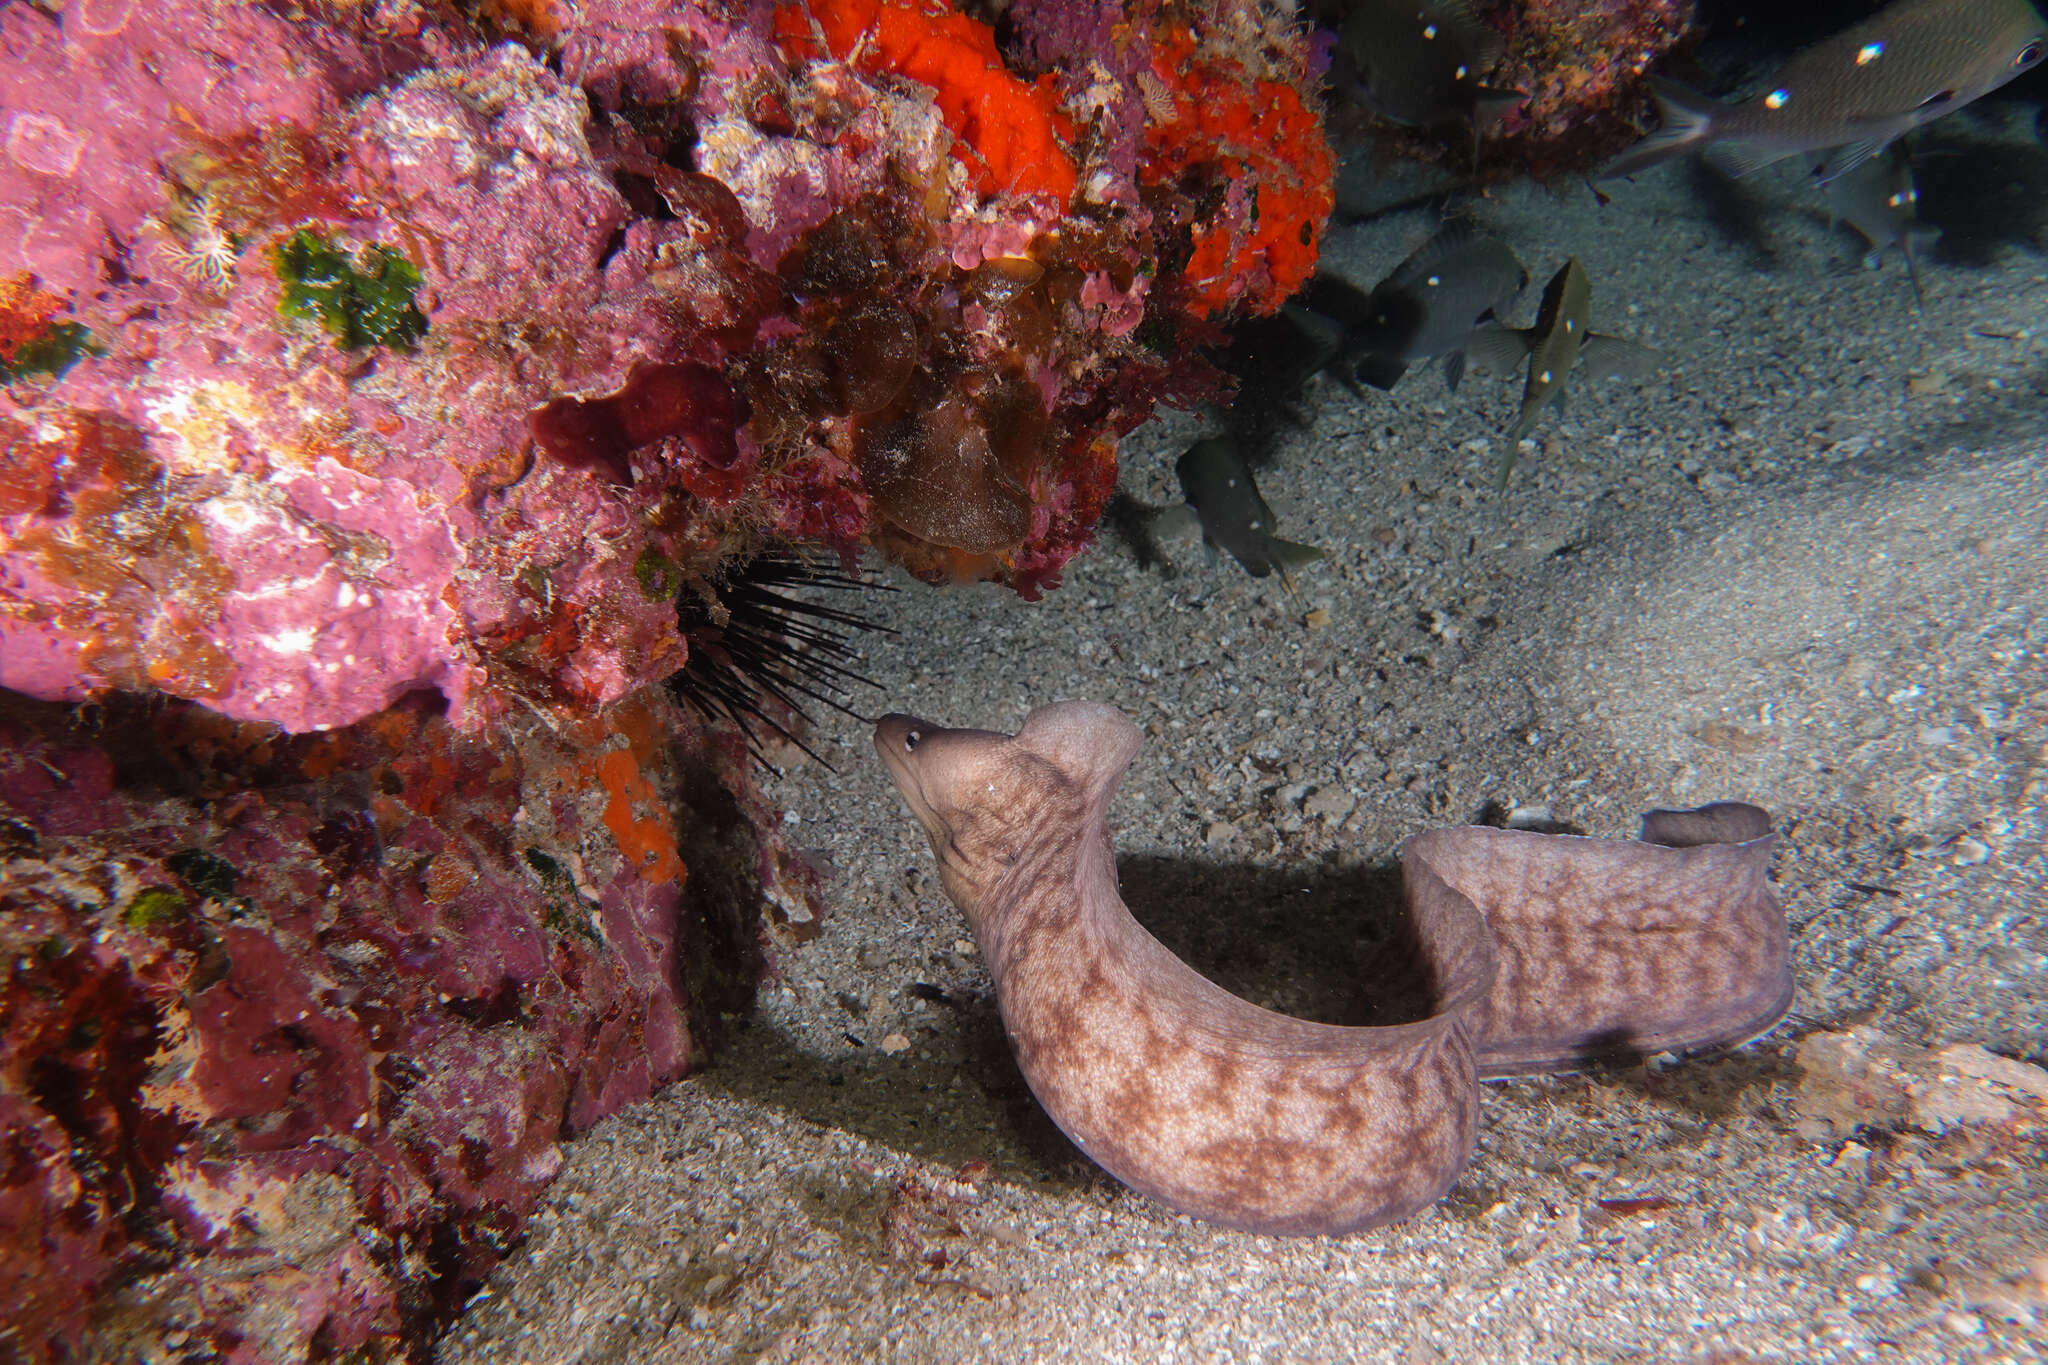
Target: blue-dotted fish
1560, 344
1234, 517
1879, 201
1420, 62
1851, 95
1457, 282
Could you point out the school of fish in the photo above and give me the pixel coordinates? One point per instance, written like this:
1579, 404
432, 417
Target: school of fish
1843, 106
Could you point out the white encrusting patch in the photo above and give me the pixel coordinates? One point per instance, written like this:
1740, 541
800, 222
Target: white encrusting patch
297, 640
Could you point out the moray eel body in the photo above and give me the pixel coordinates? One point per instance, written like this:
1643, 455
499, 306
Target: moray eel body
1540, 954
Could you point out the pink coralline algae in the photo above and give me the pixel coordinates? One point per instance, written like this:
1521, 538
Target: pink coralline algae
584, 196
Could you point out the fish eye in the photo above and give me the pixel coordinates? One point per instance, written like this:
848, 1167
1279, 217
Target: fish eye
2029, 54
910, 739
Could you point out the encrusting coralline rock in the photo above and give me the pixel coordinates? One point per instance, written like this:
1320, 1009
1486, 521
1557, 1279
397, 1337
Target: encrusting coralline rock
307, 376
1864, 1076
294, 1027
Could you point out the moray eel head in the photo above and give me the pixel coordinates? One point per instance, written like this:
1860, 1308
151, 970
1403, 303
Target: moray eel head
981, 796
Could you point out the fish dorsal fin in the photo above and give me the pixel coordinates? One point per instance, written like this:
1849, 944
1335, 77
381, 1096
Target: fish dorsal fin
1456, 12
1453, 237
1483, 42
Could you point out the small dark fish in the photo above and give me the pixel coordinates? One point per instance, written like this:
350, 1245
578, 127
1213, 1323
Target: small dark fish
1907, 65
1454, 284
1234, 517
1272, 359
1558, 344
1878, 200
1419, 62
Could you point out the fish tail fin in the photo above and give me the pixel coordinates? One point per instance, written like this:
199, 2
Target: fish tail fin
1688, 125
1288, 555
1506, 466
1524, 424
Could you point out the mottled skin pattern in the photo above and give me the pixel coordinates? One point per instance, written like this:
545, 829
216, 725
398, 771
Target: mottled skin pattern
1256, 1120
1611, 946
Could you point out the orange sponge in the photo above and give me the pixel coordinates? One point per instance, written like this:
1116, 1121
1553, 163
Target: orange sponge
1011, 132
1258, 133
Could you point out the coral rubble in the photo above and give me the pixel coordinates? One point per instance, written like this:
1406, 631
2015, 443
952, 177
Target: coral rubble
352, 354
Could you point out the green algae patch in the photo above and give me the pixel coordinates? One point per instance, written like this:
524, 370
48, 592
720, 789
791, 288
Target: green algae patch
52, 350
154, 906
656, 574
365, 299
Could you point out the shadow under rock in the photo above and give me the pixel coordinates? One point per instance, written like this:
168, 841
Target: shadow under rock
1983, 194
1739, 215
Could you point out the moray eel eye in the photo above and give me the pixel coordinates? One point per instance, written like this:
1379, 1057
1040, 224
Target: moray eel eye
910, 739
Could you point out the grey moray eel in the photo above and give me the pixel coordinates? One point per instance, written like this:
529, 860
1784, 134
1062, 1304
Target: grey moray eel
1543, 951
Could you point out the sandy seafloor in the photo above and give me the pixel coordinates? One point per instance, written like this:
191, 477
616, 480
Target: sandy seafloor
1802, 564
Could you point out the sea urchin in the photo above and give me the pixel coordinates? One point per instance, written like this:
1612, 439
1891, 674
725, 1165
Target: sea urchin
758, 652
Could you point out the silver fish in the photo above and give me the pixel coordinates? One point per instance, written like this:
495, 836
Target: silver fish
1879, 201
1428, 307
1419, 62
1558, 344
1451, 286
1234, 517
1853, 94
